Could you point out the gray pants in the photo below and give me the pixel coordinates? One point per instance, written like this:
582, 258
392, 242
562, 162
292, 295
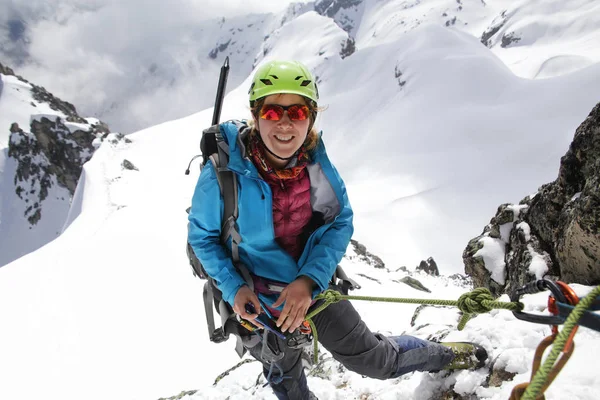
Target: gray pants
343, 333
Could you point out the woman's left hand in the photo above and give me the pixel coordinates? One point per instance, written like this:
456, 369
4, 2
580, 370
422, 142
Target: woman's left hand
297, 297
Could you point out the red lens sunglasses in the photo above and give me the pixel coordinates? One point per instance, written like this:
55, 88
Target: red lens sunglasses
274, 112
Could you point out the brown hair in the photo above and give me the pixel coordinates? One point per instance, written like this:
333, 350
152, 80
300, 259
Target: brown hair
312, 138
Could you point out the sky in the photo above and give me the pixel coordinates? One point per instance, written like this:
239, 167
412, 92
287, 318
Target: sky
110, 309
98, 53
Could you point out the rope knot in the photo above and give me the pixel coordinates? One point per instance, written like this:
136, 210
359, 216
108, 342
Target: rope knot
331, 296
473, 302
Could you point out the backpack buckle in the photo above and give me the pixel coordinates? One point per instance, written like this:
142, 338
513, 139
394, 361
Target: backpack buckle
218, 336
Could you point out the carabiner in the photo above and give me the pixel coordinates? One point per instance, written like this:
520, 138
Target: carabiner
536, 287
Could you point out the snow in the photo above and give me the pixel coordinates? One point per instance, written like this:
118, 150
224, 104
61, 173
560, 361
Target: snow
517, 209
73, 126
468, 382
493, 252
110, 309
538, 266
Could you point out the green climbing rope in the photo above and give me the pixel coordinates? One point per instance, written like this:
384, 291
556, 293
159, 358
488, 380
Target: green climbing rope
478, 301
538, 381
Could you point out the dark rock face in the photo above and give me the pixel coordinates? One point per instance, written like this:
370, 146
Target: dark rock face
221, 47
498, 23
429, 267
342, 12
555, 233
398, 75
366, 256
40, 94
50, 154
500, 376
348, 48
573, 201
415, 284
126, 164
330, 8
4, 70
508, 39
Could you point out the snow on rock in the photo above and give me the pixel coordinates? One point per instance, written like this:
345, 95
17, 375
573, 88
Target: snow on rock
538, 265
45, 149
493, 251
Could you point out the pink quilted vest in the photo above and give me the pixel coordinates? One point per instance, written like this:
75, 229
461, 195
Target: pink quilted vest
291, 210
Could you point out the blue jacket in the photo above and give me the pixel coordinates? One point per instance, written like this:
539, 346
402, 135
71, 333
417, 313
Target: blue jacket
259, 251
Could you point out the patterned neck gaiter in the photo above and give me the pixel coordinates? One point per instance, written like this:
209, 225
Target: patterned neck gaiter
255, 149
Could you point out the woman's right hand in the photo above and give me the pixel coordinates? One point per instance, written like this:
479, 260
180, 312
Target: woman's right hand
243, 297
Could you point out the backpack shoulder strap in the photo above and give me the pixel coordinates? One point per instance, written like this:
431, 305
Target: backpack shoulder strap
228, 185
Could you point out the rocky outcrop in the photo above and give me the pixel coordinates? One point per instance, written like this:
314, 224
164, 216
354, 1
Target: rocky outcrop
346, 15
415, 284
494, 28
42, 95
5, 70
554, 233
348, 48
330, 8
51, 151
219, 48
50, 154
398, 75
429, 267
573, 206
365, 256
508, 39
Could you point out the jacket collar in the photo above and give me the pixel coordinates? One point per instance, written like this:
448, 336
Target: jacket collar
235, 133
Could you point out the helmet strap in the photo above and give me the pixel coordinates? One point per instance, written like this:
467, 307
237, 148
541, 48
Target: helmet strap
273, 154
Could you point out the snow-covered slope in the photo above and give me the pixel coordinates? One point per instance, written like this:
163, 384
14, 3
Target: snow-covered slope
447, 134
535, 39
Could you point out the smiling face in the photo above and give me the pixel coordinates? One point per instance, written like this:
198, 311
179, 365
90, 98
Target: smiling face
283, 137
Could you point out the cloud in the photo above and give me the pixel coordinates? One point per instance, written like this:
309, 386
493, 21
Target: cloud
89, 51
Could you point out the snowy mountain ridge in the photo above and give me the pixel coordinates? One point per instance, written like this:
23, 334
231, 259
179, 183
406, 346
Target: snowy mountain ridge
42, 151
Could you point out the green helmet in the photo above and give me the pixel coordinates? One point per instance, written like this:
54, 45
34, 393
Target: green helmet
277, 77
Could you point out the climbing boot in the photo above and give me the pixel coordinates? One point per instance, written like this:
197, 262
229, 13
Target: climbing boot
467, 355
